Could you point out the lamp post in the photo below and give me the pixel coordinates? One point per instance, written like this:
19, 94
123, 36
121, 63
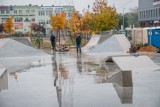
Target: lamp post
123, 18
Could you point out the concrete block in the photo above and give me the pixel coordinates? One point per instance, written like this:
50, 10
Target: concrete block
3, 79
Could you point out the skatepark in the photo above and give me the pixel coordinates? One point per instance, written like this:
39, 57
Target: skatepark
105, 74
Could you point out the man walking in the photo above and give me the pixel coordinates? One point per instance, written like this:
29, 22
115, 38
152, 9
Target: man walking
78, 42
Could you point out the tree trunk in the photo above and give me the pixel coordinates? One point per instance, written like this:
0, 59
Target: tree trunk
63, 35
59, 37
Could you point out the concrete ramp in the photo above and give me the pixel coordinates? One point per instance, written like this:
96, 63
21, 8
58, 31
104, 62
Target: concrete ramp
12, 48
93, 41
123, 42
115, 43
104, 37
24, 40
3, 41
3, 79
126, 63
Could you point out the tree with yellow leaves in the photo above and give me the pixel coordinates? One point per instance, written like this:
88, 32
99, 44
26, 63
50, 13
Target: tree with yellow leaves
8, 25
85, 22
103, 16
58, 22
75, 23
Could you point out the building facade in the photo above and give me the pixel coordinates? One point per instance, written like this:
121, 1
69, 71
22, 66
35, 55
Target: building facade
149, 13
28, 14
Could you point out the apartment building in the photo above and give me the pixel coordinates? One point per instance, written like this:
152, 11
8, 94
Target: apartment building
24, 15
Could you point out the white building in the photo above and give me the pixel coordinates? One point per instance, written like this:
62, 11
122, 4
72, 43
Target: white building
26, 14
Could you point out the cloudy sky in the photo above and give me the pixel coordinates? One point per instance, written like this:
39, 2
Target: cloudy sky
79, 4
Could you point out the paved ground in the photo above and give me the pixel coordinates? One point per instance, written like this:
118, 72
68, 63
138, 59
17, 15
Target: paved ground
71, 80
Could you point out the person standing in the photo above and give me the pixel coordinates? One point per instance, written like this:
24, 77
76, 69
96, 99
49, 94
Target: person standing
78, 43
53, 41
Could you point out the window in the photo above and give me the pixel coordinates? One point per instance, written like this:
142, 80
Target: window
15, 11
41, 22
2, 11
41, 13
156, 12
32, 11
48, 13
7, 12
140, 14
20, 11
151, 13
17, 19
3, 20
27, 11
48, 22
144, 14
33, 19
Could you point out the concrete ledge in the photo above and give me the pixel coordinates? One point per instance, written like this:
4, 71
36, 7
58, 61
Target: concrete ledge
128, 63
2, 71
3, 79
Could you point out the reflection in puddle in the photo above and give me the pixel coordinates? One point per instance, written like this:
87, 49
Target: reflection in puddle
14, 75
108, 73
63, 83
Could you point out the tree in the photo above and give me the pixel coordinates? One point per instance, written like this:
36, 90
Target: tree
133, 17
1, 27
8, 25
58, 22
120, 20
75, 23
37, 29
85, 22
103, 16
130, 18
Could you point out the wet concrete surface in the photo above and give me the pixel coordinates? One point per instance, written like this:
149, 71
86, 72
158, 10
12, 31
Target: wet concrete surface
68, 80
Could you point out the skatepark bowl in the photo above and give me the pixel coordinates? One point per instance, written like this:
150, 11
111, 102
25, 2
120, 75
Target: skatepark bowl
70, 80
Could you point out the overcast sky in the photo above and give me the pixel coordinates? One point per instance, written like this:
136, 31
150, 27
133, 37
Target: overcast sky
79, 4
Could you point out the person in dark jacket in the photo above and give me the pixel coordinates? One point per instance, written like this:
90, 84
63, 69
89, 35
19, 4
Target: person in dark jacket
53, 41
78, 42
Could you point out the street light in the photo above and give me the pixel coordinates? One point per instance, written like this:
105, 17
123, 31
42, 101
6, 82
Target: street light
123, 18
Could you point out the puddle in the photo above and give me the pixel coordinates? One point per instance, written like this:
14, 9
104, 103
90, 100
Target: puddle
67, 80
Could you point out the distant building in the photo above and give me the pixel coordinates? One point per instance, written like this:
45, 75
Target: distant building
26, 14
149, 13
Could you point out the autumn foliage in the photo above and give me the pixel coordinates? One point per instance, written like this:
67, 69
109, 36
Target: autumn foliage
8, 25
104, 16
58, 21
75, 23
